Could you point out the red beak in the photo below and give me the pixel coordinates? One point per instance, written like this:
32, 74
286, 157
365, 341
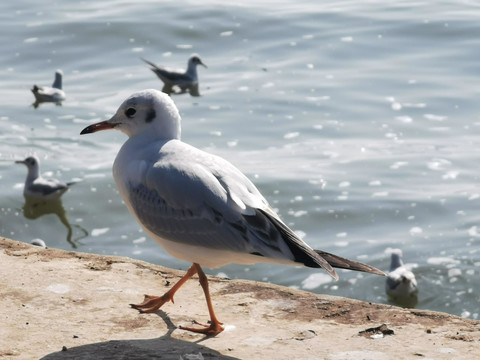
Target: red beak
103, 125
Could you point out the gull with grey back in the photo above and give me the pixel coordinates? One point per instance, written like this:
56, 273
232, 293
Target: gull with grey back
52, 93
401, 284
183, 79
39, 187
196, 205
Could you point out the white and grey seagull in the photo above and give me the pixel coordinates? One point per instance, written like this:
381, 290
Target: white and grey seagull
401, 285
196, 205
184, 79
54, 93
38, 187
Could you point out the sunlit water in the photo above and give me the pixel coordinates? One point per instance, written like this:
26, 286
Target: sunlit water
357, 120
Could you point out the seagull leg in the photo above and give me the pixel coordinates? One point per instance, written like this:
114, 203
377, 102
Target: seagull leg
215, 326
153, 303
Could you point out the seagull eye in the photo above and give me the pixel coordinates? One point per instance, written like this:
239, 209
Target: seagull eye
130, 112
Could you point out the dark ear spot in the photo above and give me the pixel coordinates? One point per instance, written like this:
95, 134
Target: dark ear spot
150, 115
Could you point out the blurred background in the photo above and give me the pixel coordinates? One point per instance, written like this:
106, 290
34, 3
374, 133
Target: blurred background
358, 121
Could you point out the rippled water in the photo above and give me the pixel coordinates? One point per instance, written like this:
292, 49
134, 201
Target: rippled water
357, 120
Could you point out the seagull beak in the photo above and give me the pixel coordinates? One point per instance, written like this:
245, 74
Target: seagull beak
20, 162
103, 125
201, 63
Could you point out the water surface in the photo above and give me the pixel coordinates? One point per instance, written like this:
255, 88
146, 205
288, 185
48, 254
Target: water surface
357, 120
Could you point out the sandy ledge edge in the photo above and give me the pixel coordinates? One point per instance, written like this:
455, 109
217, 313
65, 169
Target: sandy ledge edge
58, 304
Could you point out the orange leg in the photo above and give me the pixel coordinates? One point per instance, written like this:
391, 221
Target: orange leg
153, 303
215, 326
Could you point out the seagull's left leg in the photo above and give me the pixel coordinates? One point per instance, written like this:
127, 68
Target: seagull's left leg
215, 326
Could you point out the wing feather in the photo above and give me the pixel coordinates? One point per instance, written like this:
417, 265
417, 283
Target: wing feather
46, 187
203, 200
188, 196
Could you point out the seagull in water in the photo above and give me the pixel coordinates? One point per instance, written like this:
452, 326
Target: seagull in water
184, 79
401, 285
50, 94
196, 205
38, 187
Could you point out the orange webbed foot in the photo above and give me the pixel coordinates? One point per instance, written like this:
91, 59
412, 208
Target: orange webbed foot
213, 329
152, 303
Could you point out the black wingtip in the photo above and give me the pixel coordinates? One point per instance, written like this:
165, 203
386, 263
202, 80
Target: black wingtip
342, 263
301, 252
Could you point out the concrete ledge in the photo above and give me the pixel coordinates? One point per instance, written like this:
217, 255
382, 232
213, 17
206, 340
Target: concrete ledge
53, 299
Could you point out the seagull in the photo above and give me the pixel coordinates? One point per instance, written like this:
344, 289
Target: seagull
401, 285
50, 94
197, 205
38, 187
39, 242
184, 79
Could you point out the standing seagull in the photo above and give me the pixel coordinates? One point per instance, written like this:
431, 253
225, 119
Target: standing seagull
38, 187
184, 79
50, 94
198, 206
401, 285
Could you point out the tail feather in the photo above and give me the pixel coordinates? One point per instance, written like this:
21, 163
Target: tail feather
342, 263
150, 63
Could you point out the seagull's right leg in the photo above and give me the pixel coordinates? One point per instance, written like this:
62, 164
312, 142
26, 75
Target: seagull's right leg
215, 326
153, 303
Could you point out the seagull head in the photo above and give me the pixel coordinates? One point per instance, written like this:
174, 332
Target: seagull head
33, 165
149, 111
195, 60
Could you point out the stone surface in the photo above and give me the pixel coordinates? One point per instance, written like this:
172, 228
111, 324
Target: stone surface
57, 304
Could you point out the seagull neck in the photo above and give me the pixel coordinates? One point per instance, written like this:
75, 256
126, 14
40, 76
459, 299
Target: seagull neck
148, 136
58, 81
396, 262
191, 69
33, 173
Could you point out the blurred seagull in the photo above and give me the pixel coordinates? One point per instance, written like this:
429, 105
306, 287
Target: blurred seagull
401, 285
196, 205
50, 94
38, 187
39, 242
184, 79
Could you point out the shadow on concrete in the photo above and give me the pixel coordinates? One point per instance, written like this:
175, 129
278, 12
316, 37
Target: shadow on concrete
164, 347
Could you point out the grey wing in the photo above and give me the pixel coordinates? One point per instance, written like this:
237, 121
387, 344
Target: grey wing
392, 282
257, 234
172, 77
193, 225
204, 200
45, 189
166, 75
